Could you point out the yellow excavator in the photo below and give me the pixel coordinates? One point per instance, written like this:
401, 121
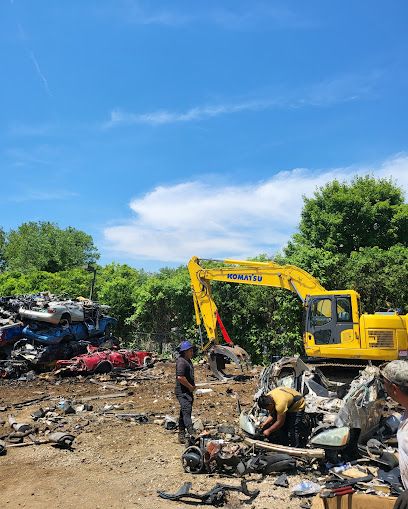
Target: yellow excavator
334, 327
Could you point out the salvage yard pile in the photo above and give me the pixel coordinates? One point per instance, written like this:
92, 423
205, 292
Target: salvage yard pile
36, 330
118, 438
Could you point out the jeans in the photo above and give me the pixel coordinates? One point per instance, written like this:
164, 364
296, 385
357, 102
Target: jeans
186, 407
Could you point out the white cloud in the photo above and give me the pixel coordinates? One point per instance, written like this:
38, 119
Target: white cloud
397, 167
172, 223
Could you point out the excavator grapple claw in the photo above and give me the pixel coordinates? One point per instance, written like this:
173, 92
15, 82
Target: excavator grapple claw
219, 356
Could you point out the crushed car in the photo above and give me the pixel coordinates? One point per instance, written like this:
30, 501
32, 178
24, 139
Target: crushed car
342, 415
48, 334
9, 334
55, 311
27, 356
104, 361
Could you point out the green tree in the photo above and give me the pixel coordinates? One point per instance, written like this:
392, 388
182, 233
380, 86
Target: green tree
116, 286
379, 276
343, 217
68, 284
265, 321
46, 247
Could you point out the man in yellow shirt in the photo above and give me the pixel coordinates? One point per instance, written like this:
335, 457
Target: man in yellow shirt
286, 423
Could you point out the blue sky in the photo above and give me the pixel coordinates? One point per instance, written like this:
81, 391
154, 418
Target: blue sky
172, 129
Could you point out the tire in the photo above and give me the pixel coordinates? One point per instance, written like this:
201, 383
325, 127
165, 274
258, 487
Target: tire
147, 362
103, 367
67, 317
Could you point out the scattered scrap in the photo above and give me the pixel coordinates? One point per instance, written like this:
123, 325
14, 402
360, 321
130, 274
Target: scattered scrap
217, 496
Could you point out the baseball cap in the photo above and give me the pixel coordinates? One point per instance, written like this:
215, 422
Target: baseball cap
185, 345
396, 372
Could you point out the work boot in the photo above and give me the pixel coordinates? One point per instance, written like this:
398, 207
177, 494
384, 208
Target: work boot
182, 436
190, 436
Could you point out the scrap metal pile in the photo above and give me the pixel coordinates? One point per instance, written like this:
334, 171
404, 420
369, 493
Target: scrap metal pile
36, 331
342, 415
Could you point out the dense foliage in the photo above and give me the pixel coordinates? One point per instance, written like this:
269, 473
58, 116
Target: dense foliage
351, 235
46, 247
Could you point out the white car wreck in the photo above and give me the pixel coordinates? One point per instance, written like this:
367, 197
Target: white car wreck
342, 415
55, 312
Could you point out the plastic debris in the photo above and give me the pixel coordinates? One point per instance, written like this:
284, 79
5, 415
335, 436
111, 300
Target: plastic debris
306, 488
199, 392
170, 423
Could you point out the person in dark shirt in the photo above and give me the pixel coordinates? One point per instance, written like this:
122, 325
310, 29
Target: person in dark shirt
185, 388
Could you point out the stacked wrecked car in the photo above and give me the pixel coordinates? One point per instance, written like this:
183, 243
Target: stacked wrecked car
36, 330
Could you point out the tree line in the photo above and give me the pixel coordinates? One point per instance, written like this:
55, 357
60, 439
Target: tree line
350, 236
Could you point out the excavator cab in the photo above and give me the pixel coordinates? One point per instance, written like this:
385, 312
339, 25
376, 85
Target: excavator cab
331, 323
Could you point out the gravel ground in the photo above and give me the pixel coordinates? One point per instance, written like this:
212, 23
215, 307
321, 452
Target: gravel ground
115, 463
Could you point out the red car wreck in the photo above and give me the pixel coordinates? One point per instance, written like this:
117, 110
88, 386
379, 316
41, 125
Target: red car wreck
104, 361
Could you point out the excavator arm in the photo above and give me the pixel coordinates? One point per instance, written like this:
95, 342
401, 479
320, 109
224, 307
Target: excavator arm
272, 274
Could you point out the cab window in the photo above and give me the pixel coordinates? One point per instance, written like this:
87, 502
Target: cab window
343, 308
321, 312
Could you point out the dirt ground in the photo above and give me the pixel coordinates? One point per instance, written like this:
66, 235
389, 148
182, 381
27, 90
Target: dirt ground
116, 463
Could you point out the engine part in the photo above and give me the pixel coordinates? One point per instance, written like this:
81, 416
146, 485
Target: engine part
193, 460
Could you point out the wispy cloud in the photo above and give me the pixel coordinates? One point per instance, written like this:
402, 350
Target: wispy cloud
161, 117
40, 155
172, 223
259, 13
139, 14
39, 72
31, 55
326, 93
